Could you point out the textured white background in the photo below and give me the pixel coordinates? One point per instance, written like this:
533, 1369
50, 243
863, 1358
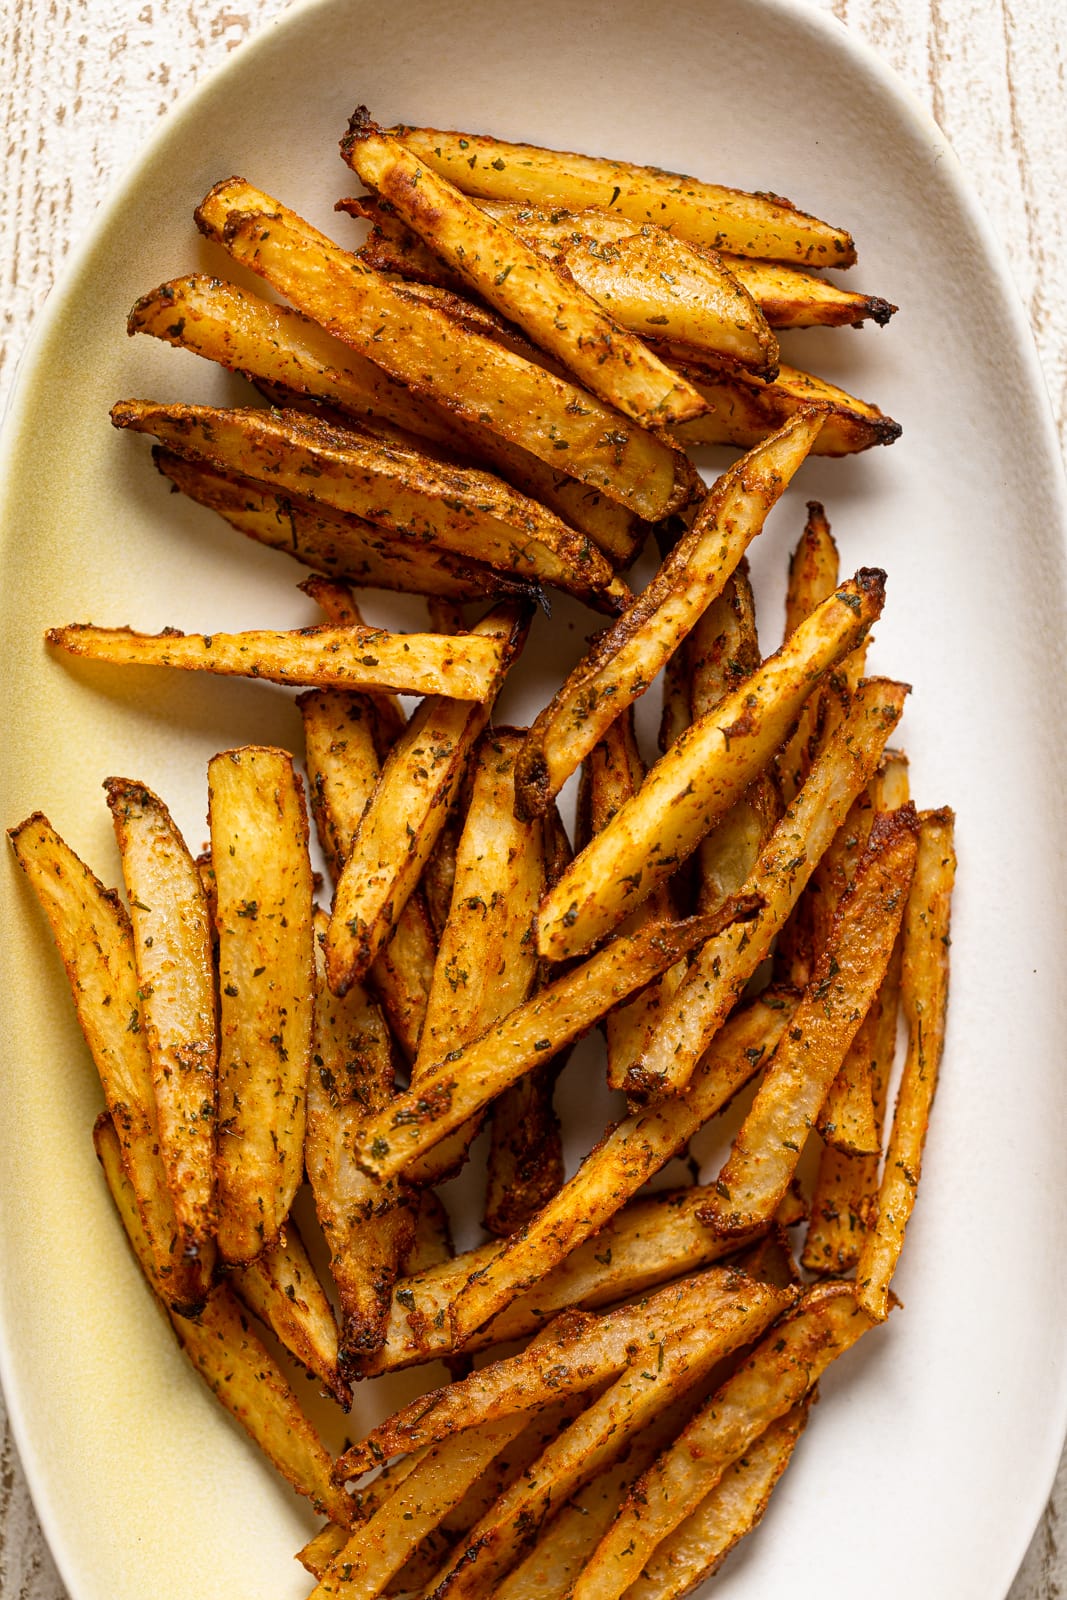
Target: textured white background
82, 82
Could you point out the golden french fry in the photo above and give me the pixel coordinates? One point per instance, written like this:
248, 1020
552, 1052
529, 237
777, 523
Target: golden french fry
525, 1162
95, 943
849, 971
746, 409
259, 847
813, 577
472, 376
924, 997
725, 964
552, 308
765, 226
783, 1368
231, 1360
172, 944
624, 661
707, 769
282, 1287
405, 814
792, 298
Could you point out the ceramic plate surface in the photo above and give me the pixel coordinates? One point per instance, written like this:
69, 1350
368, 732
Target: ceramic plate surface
932, 1451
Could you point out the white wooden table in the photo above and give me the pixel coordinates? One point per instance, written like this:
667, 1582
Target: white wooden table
83, 81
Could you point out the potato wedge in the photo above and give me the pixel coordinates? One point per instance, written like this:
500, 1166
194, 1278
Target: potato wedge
405, 814
848, 974
924, 998
461, 1083
775, 1378
745, 410
172, 944
701, 776
282, 1287
624, 661
231, 1360
95, 943
551, 307
259, 847
759, 225
725, 965
471, 376
792, 298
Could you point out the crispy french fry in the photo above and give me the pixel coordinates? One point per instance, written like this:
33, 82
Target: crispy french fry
792, 298
781, 1371
95, 943
624, 661
678, 1364
813, 577
259, 847
765, 226
231, 1360
746, 409
405, 814
336, 601
283, 1289
439, 873
725, 964
627, 1156
553, 308
460, 1084
172, 945
698, 780
924, 997
699, 1545
850, 969
471, 376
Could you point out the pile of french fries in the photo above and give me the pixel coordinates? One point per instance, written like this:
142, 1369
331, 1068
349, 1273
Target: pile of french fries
489, 399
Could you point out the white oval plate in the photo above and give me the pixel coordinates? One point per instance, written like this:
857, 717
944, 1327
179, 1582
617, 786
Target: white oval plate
930, 1457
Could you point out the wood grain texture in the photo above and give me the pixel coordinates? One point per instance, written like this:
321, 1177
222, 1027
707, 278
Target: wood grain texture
83, 82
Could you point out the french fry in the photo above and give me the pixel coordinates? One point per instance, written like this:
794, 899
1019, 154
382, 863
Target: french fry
369, 1227
282, 1287
775, 1378
745, 410
470, 513
95, 943
335, 599
459, 1085
552, 308
172, 946
699, 1545
678, 1364
323, 657
813, 577
765, 226
628, 1155
404, 816
850, 969
725, 964
525, 1163
259, 847
471, 376
924, 997
331, 542
697, 781
231, 1360
624, 661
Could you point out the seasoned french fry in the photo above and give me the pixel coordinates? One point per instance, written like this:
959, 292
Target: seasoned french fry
792, 298
172, 945
624, 661
765, 226
404, 816
679, 1363
782, 1370
725, 964
746, 409
627, 1156
95, 943
700, 1544
471, 376
283, 1289
813, 577
553, 308
231, 1360
924, 997
696, 782
850, 969
525, 1163
460, 1084
259, 847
